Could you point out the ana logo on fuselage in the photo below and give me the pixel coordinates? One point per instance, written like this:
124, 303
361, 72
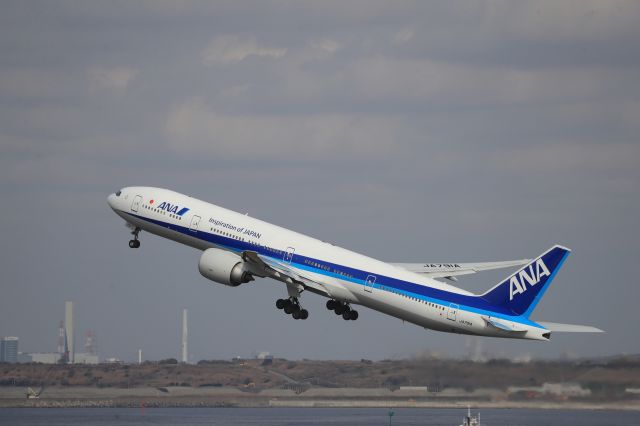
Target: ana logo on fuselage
529, 276
173, 208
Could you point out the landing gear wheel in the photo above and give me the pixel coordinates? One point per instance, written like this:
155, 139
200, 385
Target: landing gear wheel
288, 308
353, 315
331, 304
135, 243
346, 315
292, 307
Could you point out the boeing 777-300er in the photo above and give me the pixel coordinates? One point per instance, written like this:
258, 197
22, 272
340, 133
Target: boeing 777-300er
237, 248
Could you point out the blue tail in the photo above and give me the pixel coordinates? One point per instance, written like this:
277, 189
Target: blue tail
522, 291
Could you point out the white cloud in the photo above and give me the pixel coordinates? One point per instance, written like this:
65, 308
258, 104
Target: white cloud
193, 127
326, 45
114, 78
232, 49
403, 35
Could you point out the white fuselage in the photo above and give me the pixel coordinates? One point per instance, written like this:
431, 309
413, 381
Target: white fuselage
347, 276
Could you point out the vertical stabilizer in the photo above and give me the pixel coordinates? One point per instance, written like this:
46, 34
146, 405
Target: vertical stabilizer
522, 291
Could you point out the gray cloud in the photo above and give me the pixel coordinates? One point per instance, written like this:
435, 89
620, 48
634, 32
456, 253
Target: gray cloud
116, 79
194, 127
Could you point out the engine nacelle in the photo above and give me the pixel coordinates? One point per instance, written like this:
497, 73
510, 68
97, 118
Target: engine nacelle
224, 267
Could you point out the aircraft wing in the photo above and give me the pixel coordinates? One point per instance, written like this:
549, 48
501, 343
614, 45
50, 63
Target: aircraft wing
281, 271
451, 270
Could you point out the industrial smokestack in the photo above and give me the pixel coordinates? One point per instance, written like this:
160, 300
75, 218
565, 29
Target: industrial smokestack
61, 339
139, 356
184, 336
68, 320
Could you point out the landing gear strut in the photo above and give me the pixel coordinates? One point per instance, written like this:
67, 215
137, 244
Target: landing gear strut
135, 243
343, 309
291, 306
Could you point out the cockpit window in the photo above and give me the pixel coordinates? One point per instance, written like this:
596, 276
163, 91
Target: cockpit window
118, 193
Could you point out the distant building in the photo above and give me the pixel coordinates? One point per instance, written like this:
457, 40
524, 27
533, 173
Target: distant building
9, 349
54, 358
556, 389
41, 357
85, 358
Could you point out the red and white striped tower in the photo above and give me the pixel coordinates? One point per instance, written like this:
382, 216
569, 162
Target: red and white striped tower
89, 343
61, 338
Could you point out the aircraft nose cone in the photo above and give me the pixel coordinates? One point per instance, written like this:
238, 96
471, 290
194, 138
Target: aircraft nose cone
111, 200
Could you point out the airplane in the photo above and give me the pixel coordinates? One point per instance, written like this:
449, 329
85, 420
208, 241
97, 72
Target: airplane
237, 249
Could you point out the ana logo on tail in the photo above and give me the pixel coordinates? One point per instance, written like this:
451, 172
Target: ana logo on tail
528, 276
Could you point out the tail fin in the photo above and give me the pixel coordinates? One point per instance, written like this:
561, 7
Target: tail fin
522, 291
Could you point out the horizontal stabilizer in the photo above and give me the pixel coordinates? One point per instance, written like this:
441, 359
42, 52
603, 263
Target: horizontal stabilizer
569, 328
450, 270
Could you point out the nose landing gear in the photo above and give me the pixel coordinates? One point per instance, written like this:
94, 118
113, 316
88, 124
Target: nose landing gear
135, 243
343, 309
291, 306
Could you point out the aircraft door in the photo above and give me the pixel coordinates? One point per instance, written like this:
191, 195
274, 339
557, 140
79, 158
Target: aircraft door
368, 284
288, 255
136, 203
195, 221
453, 310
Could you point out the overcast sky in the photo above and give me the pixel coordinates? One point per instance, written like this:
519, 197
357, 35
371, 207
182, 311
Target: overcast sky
408, 131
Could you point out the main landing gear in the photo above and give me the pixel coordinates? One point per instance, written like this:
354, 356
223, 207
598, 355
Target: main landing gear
135, 243
291, 306
341, 308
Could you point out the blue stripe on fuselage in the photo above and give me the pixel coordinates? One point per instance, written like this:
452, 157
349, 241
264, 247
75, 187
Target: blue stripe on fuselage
474, 304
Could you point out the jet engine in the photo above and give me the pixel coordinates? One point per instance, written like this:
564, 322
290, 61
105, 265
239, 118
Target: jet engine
224, 267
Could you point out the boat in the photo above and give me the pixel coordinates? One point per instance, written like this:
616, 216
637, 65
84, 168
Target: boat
470, 420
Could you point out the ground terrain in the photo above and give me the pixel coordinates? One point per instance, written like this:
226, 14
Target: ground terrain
312, 383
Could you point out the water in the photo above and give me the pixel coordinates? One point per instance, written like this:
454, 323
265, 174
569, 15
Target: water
305, 416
